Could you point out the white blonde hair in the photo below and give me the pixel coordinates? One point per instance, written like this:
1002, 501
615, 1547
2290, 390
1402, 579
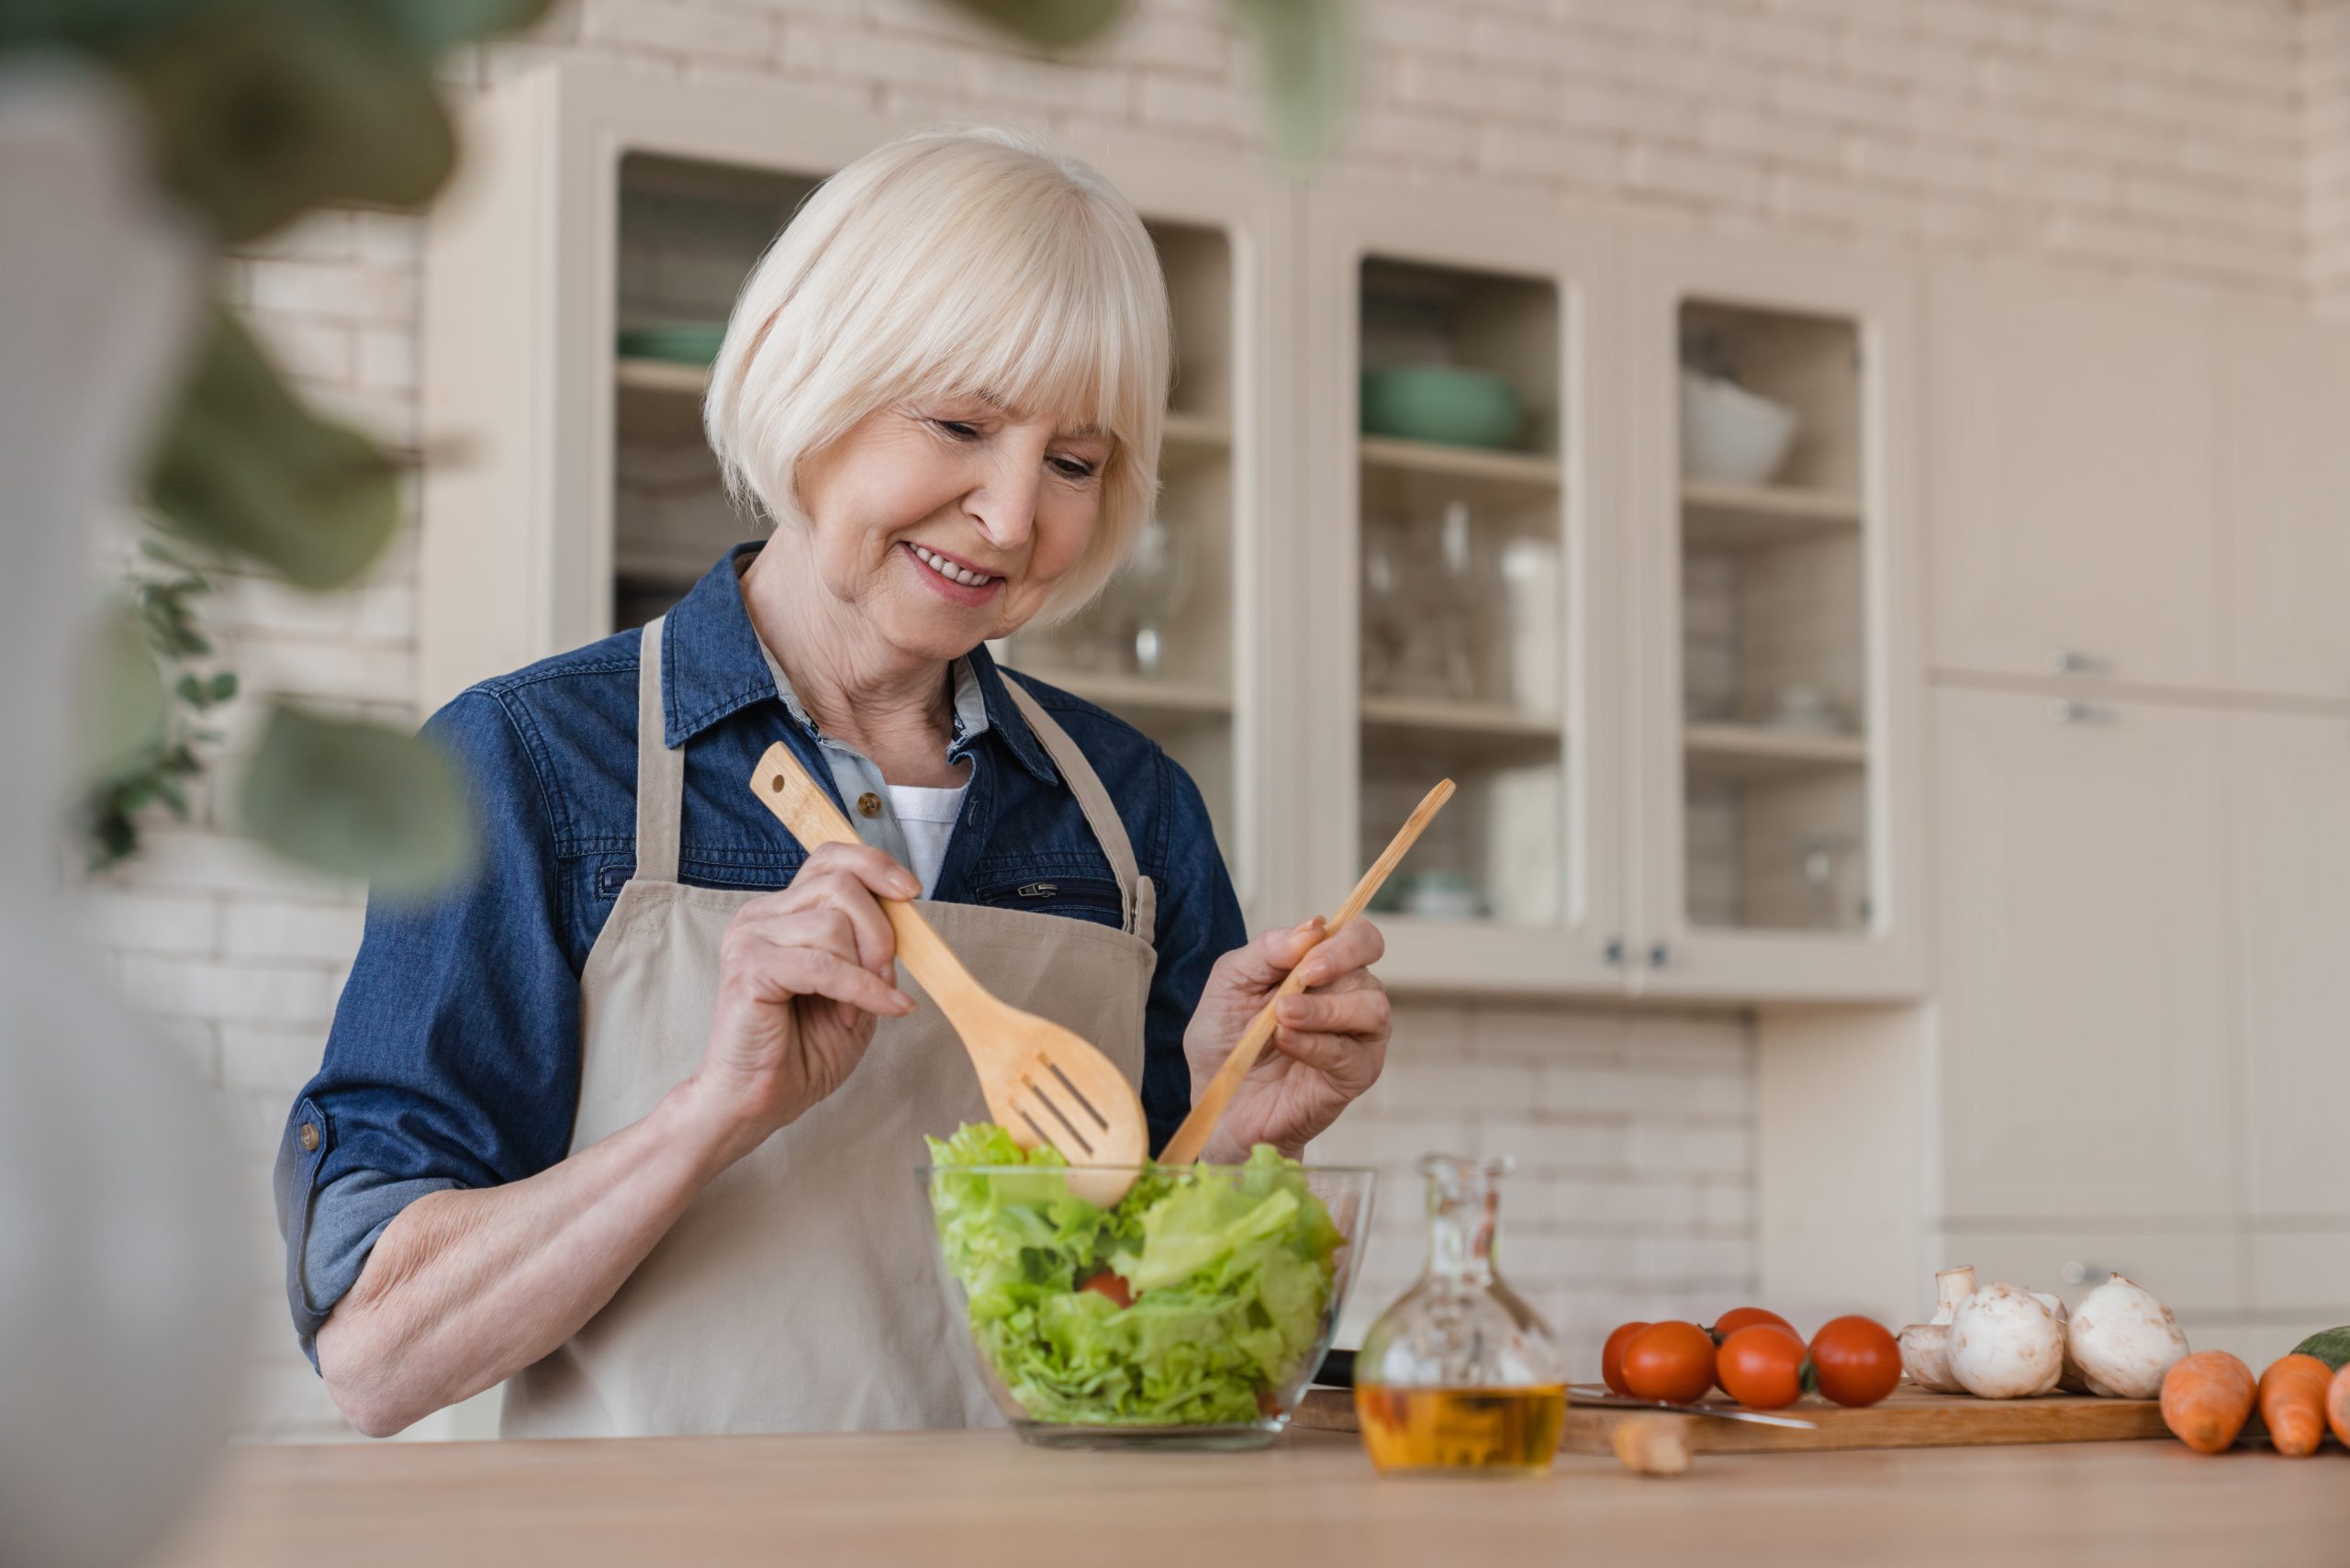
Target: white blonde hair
948, 263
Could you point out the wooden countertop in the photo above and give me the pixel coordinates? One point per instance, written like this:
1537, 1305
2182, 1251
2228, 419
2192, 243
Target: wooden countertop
971, 1499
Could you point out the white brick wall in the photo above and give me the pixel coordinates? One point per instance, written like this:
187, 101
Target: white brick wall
2326, 84
2204, 142
1633, 1137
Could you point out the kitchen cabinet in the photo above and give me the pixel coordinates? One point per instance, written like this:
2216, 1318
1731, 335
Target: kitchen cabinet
1643, 811
1326, 621
2292, 903
2074, 474
599, 207
2286, 392
2087, 1061
1463, 597
1775, 694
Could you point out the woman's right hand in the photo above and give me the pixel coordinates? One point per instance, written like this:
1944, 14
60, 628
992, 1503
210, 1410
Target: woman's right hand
804, 975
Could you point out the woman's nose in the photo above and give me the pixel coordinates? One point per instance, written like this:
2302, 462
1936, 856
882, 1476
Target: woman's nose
1004, 503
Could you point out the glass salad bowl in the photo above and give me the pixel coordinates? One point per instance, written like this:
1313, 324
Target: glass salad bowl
1192, 1314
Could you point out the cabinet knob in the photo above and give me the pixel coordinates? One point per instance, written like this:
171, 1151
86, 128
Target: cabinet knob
2080, 1273
1660, 954
2070, 661
1614, 951
2066, 712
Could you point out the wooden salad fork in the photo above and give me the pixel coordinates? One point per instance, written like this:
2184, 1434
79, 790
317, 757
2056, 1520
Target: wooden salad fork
1044, 1084
1208, 1110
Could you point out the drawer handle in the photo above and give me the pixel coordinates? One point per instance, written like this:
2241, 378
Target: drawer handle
2068, 712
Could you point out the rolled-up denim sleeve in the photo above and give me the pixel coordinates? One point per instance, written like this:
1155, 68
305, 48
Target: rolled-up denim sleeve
454, 1059
1199, 922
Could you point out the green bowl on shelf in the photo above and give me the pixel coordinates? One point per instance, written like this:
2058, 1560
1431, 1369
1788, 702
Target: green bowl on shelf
1442, 403
679, 342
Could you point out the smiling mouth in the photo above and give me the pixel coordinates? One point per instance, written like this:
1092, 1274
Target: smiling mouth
949, 569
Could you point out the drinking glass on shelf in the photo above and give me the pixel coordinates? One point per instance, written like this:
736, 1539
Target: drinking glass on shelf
1143, 597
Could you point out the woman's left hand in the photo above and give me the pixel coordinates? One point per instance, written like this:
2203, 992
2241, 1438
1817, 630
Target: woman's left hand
1329, 1043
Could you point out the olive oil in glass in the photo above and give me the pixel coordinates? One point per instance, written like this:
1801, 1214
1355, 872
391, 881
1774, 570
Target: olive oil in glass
1460, 1374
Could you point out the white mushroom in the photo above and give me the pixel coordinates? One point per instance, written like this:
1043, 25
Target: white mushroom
1925, 1347
2005, 1344
2123, 1340
1950, 1287
1925, 1356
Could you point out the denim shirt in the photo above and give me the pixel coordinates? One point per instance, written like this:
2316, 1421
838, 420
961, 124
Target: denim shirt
454, 1059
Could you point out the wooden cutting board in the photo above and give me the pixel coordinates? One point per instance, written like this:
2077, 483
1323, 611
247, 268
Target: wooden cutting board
1904, 1419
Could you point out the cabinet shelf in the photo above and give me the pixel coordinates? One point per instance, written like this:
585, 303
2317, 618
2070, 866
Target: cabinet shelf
1473, 733
1759, 752
659, 399
1750, 517
1132, 695
1516, 479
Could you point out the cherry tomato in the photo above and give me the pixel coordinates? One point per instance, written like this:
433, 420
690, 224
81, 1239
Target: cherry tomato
1740, 1317
1109, 1285
1855, 1362
1760, 1366
1670, 1361
1611, 1357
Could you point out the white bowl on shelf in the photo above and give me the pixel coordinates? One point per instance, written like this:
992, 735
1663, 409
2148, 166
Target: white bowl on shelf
1729, 435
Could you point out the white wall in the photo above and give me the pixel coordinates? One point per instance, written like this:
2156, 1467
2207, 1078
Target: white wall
2326, 86
2169, 137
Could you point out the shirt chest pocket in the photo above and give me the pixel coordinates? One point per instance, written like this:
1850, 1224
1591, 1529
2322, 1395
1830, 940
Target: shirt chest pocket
1078, 898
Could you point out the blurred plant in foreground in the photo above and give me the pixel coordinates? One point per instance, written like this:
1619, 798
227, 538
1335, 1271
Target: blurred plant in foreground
259, 111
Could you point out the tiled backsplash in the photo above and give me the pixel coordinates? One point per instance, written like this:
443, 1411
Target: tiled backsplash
2207, 142
1632, 1134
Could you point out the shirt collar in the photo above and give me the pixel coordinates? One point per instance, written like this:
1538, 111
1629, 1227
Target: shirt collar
712, 666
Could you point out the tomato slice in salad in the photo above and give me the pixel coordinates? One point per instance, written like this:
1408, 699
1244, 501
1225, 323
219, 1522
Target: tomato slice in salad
1110, 1284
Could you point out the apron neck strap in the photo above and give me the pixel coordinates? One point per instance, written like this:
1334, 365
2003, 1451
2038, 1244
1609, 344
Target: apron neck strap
1134, 889
660, 772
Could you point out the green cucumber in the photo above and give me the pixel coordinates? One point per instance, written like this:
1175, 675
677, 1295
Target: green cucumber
2331, 1346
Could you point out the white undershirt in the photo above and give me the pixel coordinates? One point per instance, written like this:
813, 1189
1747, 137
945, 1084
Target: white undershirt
928, 818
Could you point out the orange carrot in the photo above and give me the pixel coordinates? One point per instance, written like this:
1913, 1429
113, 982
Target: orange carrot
2292, 1402
2337, 1406
2207, 1398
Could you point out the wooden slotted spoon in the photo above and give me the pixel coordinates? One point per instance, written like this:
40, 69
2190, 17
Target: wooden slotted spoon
1208, 1110
1043, 1083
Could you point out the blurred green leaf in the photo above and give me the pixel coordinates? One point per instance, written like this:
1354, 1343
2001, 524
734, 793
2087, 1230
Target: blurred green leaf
266, 108
245, 467
128, 705
1048, 24
1305, 62
357, 800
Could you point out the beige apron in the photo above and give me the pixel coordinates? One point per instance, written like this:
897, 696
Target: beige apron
799, 1292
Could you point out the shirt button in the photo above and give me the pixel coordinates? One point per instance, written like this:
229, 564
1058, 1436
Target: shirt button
309, 1136
868, 804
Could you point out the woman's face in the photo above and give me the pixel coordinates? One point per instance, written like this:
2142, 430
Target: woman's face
943, 523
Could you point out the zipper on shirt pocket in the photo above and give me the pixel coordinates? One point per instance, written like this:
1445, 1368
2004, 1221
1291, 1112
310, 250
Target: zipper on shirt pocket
1083, 898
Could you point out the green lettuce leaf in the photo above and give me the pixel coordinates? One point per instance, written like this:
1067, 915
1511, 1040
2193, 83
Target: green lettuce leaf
1231, 1269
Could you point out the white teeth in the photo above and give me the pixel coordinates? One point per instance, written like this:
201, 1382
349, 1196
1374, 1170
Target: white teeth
949, 569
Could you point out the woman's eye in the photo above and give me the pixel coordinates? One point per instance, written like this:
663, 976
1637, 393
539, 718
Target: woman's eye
1072, 468
959, 429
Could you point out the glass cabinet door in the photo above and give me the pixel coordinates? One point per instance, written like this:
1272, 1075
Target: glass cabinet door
1775, 668
1455, 460
1158, 647
1460, 605
691, 231
1775, 761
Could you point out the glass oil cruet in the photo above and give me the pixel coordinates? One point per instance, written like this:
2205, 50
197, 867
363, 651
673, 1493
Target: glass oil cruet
1460, 1374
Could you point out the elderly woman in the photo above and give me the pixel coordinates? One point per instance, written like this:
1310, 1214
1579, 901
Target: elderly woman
626, 1122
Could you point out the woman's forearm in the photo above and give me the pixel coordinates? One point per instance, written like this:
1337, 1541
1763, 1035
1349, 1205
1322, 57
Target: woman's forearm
465, 1288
